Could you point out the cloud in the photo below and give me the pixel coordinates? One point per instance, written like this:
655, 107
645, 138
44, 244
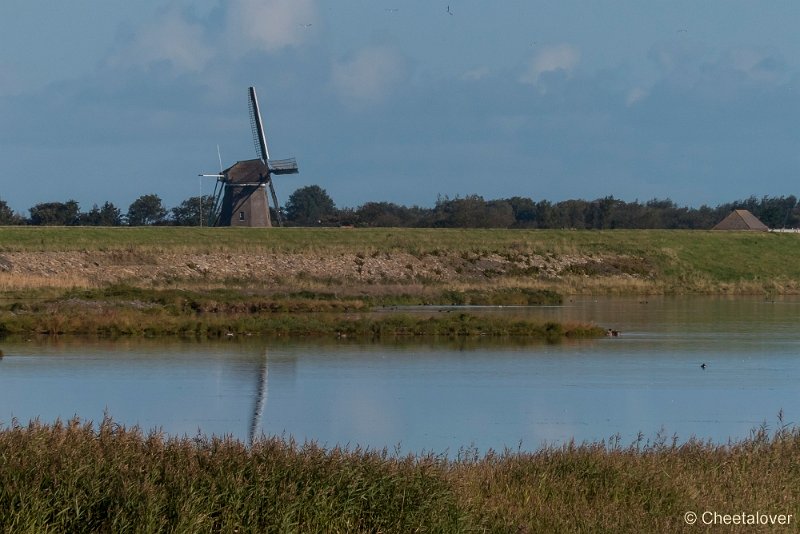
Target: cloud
671, 56
370, 75
756, 65
637, 94
688, 66
559, 58
476, 74
189, 44
268, 25
172, 38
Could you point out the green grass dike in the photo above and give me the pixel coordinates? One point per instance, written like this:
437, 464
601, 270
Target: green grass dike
410, 259
79, 477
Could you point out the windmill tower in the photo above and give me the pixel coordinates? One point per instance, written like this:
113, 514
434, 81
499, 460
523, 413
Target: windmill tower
240, 194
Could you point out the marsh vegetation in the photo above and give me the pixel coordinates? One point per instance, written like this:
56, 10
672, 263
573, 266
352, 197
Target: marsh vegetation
78, 477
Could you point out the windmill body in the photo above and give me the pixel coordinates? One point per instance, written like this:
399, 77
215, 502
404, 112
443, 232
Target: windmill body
241, 191
244, 199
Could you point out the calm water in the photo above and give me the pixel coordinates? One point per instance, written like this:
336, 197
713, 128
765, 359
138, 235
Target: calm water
440, 397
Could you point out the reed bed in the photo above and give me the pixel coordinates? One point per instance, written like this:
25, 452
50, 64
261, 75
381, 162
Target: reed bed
129, 311
644, 487
71, 477
79, 477
115, 322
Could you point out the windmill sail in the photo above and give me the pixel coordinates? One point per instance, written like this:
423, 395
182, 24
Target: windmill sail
213, 216
283, 166
257, 126
277, 206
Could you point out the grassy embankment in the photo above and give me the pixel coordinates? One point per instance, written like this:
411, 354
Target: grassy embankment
201, 281
620, 261
78, 478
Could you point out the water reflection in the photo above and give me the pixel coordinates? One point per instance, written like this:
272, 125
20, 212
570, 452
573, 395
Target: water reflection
261, 398
438, 396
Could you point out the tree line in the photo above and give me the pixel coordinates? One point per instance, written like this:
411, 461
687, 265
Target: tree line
312, 206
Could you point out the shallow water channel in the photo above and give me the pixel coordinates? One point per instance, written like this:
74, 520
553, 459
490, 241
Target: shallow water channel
440, 396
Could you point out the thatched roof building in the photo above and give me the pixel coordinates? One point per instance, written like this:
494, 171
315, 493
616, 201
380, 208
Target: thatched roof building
741, 220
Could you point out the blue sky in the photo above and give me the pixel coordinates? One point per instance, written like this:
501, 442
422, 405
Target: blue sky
697, 101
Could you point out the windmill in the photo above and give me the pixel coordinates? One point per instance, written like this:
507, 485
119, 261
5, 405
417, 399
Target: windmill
240, 196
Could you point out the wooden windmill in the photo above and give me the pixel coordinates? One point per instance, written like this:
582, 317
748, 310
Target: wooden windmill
240, 194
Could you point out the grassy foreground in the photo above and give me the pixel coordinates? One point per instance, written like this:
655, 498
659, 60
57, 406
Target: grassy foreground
76, 477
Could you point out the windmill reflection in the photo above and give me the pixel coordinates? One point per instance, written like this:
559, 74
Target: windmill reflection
261, 398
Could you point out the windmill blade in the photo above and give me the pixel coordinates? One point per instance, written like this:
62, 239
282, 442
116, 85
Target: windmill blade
257, 126
213, 216
278, 215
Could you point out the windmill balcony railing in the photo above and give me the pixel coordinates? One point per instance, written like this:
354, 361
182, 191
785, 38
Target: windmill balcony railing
283, 166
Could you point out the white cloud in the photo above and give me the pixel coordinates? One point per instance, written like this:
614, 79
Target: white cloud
556, 58
717, 74
268, 25
189, 44
756, 65
370, 75
476, 74
637, 94
170, 38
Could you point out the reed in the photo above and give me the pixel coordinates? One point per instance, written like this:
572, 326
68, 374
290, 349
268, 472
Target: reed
79, 477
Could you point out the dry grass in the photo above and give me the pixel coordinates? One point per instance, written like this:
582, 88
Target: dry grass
15, 282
